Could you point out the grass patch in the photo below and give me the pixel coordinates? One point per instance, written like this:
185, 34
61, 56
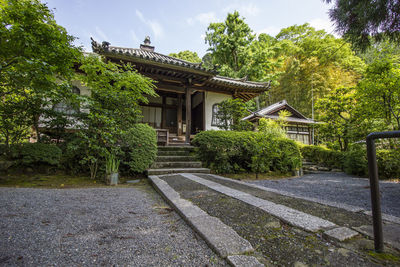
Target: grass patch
261, 176
55, 181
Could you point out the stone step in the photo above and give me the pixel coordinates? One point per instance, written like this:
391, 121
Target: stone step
176, 164
175, 148
173, 153
177, 170
174, 158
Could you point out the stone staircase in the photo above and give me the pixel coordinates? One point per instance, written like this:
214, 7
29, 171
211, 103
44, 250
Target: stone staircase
176, 159
312, 168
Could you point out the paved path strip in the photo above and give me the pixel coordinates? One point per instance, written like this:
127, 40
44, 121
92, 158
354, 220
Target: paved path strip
386, 217
291, 216
222, 238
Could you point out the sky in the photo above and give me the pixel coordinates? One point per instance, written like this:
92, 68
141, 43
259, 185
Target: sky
178, 25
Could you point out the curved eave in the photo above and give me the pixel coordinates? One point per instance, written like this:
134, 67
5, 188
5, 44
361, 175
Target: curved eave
156, 62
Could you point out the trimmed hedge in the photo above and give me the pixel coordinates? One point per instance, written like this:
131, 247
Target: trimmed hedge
232, 152
140, 147
321, 155
31, 154
355, 161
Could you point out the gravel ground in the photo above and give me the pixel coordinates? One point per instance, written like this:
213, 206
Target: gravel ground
275, 242
341, 188
98, 226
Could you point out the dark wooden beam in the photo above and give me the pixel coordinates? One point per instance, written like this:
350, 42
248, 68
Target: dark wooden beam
188, 114
179, 115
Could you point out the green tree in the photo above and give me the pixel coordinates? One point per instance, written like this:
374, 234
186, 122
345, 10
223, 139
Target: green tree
228, 43
187, 55
358, 20
337, 112
36, 62
112, 108
230, 114
380, 91
314, 64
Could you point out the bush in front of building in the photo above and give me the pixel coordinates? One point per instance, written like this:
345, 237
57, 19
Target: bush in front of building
321, 155
355, 160
234, 152
139, 146
33, 154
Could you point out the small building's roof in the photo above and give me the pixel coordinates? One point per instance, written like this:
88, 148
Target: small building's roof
272, 111
173, 71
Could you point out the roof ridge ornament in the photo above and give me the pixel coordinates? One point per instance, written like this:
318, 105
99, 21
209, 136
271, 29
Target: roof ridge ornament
146, 45
97, 47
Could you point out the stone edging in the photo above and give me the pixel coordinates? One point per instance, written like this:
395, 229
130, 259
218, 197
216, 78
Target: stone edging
220, 237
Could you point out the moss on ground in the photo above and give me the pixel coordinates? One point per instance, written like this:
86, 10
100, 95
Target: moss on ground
275, 242
58, 181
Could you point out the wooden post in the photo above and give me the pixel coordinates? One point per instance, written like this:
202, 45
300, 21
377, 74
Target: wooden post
188, 114
179, 115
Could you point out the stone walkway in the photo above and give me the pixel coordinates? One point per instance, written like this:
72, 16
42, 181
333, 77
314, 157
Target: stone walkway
281, 230
339, 189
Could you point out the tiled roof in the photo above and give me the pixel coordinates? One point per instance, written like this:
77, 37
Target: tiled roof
267, 113
105, 48
150, 57
238, 82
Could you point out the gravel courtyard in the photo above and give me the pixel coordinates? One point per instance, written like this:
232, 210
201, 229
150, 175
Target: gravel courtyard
97, 226
340, 188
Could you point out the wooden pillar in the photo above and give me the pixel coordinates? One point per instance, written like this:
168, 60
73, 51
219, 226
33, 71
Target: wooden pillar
188, 114
179, 115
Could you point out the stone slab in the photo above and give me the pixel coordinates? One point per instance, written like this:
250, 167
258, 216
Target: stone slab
133, 181
391, 233
284, 193
291, 216
187, 209
221, 237
177, 170
340, 234
164, 189
386, 217
297, 218
244, 261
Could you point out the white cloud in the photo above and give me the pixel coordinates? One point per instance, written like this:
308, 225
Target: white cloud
245, 9
271, 30
155, 27
202, 18
134, 36
101, 34
323, 24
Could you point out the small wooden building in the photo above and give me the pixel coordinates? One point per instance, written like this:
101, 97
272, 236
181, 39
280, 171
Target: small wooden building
298, 127
188, 92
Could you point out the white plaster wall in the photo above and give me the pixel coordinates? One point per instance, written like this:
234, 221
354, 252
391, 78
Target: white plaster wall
84, 90
211, 99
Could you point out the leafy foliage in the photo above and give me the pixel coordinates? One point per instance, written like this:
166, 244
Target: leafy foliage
36, 59
230, 114
113, 106
32, 154
140, 147
187, 55
359, 20
355, 160
230, 152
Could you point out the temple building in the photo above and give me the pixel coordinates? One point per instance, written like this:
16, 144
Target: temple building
188, 92
299, 127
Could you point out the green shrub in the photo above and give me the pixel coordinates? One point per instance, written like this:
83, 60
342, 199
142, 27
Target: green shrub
388, 163
232, 152
30, 154
355, 162
140, 147
73, 152
321, 155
